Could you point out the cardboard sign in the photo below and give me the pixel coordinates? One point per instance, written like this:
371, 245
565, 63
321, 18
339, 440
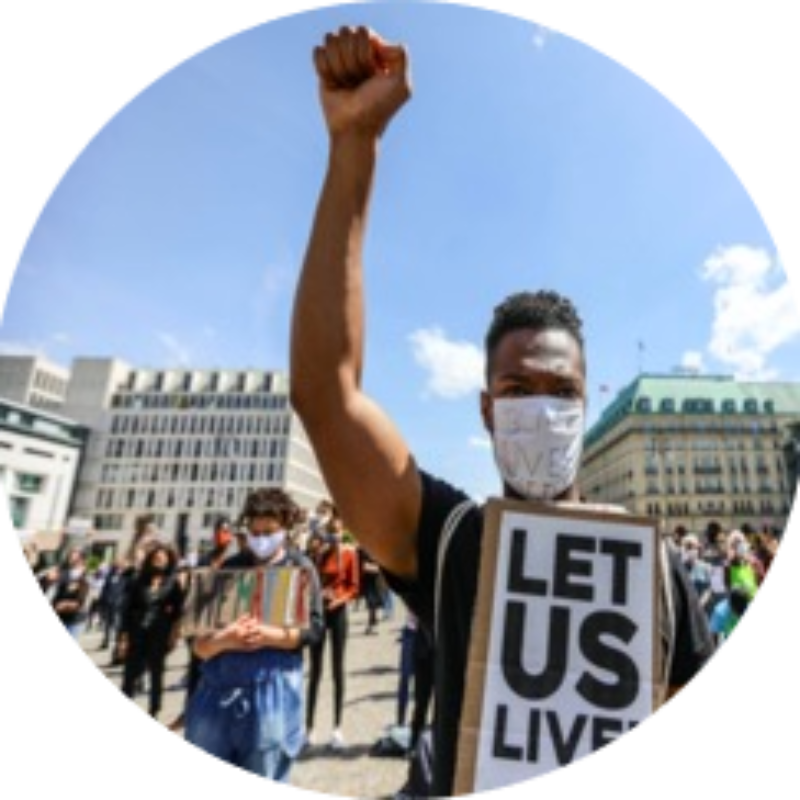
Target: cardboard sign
276, 595
565, 654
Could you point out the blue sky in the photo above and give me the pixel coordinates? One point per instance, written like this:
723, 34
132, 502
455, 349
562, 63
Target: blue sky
524, 160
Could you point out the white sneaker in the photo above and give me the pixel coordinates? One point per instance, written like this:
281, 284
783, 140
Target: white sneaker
337, 741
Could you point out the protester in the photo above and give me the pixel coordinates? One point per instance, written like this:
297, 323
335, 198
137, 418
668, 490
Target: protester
715, 554
766, 547
728, 612
71, 592
248, 706
145, 534
370, 583
535, 357
741, 569
337, 566
697, 570
150, 617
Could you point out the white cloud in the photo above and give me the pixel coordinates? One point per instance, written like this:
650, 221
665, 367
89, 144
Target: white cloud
692, 361
179, 354
481, 442
454, 368
541, 35
754, 309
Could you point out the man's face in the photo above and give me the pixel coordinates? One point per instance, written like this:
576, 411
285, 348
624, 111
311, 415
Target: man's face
529, 363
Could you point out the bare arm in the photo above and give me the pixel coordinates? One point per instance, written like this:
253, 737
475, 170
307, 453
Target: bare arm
366, 464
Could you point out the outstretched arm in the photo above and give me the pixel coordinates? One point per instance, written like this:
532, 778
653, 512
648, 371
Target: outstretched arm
366, 464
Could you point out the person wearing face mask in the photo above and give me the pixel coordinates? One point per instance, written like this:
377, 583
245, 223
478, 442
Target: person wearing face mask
741, 571
533, 404
697, 570
151, 614
247, 709
338, 567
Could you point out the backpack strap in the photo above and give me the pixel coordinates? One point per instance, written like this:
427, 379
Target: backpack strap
449, 528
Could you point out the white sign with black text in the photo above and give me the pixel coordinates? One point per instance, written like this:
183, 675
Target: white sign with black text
567, 622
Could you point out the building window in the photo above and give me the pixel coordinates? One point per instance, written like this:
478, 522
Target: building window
32, 484
18, 506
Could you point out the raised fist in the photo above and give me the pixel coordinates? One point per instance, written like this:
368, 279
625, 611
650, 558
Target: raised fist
363, 81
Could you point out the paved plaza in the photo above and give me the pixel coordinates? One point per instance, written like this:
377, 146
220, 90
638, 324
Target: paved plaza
370, 706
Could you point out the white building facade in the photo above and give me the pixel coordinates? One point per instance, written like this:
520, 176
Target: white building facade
183, 445
33, 381
40, 456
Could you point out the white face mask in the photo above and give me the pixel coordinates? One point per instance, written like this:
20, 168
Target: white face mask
538, 443
265, 546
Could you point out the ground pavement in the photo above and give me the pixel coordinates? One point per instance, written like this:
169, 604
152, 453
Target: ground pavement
370, 706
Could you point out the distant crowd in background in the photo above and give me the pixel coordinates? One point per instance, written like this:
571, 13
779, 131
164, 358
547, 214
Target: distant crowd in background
136, 604
726, 568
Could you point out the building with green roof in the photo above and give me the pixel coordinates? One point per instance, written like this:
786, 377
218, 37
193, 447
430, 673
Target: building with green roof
688, 449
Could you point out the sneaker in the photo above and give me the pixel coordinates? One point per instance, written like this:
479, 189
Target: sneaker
337, 741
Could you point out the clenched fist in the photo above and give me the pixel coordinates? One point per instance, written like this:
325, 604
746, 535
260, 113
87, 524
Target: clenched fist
363, 81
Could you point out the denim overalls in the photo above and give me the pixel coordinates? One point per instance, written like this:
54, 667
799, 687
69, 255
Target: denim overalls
248, 710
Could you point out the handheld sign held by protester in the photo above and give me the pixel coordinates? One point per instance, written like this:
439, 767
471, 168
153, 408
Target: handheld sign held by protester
275, 595
565, 654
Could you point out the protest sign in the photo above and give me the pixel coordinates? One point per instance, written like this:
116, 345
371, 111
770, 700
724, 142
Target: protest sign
565, 653
275, 595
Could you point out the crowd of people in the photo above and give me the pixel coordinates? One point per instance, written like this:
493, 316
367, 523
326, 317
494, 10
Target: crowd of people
418, 535
726, 568
244, 685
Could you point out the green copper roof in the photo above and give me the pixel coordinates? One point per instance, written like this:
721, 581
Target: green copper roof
696, 394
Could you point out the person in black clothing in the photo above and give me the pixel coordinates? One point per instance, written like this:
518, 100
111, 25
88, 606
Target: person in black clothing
150, 618
535, 361
370, 582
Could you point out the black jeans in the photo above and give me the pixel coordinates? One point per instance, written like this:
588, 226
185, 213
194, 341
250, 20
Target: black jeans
336, 626
147, 651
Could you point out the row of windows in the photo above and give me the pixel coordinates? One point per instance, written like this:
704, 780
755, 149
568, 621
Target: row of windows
184, 497
115, 522
666, 446
47, 382
200, 381
211, 447
700, 405
710, 464
231, 402
743, 507
712, 486
23, 419
258, 425
208, 472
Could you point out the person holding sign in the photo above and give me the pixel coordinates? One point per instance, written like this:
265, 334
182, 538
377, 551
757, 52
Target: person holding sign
533, 405
248, 706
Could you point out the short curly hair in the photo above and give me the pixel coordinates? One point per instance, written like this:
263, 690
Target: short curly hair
536, 311
270, 502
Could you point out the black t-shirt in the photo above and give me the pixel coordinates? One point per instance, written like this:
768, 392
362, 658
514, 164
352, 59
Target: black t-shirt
693, 645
